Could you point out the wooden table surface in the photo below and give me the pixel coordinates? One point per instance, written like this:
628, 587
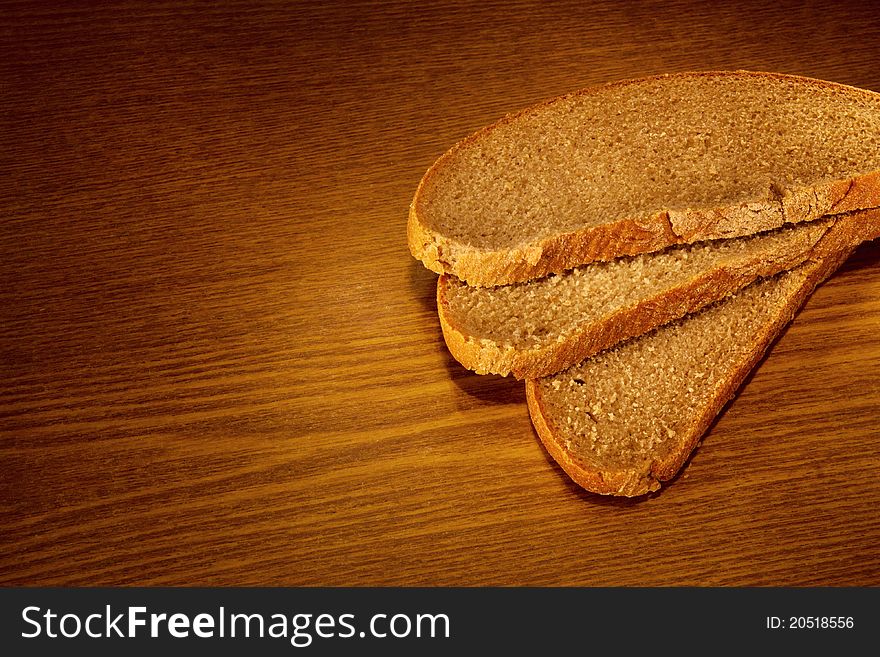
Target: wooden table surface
221, 365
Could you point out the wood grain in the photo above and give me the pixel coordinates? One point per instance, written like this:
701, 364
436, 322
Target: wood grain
221, 366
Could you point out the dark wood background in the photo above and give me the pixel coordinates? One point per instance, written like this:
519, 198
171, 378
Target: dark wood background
221, 366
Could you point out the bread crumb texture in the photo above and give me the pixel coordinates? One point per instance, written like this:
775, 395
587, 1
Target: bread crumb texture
550, 310
635, 404
631, 150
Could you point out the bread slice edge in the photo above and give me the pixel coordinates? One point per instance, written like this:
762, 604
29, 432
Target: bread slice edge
486, 356
636, 482
628, 236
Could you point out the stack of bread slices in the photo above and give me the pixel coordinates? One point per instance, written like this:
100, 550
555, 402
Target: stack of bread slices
631, 250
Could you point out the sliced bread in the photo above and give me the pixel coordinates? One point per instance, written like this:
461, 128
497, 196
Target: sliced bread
538, 328
640, 165
627, 419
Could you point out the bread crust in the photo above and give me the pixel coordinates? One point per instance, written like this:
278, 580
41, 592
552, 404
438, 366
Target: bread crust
489, 357
838, 244
629, 236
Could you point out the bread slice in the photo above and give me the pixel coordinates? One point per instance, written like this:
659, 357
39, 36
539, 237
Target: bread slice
640, 165
627, 419
538, 328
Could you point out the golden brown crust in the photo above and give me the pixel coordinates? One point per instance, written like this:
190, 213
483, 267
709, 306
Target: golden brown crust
626, 483
836, 247
489, 357
484, 267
